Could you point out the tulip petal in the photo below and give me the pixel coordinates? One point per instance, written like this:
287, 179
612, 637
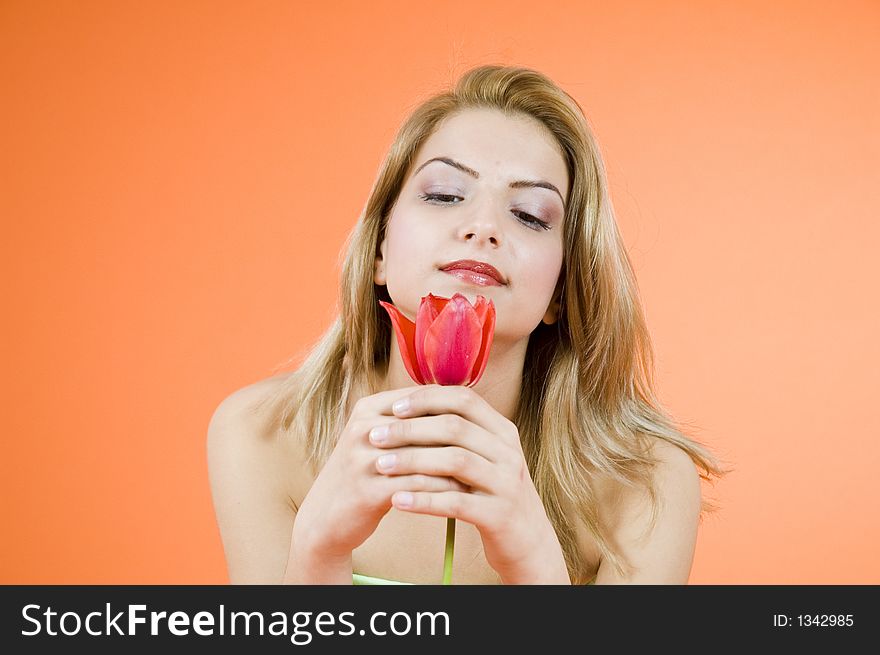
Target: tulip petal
405, 330
486, 314
437, 303
452, 342
429, 308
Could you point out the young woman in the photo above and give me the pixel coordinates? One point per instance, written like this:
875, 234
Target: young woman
560, 465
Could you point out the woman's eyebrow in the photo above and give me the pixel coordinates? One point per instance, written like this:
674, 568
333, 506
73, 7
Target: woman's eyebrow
518, 184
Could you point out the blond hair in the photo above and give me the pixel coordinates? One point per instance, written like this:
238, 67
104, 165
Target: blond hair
587, 404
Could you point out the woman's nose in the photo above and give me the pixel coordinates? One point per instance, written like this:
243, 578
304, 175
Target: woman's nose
482, 228
481, 237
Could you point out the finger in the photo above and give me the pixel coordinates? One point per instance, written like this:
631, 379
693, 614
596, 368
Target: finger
439, 399
421, 482
448, 461
468, 507
381, 402
444, 430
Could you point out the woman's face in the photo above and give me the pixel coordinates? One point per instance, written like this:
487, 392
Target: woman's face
480, 216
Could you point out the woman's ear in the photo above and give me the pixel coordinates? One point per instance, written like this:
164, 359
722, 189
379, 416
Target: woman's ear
379, 266
552, 313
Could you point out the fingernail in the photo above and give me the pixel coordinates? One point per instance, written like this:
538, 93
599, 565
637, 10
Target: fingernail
379, 434
385, 462
400, 406
403, 499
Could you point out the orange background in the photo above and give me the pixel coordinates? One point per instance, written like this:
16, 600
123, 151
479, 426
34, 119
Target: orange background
178, 179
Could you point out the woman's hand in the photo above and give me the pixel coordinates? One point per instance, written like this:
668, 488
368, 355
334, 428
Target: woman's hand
349, 496
480, 448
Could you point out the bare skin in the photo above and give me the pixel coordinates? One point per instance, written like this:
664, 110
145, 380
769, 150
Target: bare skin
257, 528
258, 482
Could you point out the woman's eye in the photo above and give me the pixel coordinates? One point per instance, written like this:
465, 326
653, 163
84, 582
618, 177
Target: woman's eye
435, 196
540, 225
528, 219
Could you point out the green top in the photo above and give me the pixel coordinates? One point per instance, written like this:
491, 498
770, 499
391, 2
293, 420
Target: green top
359, 579
366, 579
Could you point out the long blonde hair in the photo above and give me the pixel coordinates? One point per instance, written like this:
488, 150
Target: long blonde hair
587, 404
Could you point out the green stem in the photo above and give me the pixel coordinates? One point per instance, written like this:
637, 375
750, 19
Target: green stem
450, 547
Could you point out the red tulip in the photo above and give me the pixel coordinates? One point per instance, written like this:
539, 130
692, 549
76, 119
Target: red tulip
449, 342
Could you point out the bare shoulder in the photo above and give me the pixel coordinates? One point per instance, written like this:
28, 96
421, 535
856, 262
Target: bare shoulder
236, 429
659, 551
250, 473
238, 404
676, 472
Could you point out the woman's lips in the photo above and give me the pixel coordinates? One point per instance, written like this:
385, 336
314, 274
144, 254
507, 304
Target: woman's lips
471, 277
